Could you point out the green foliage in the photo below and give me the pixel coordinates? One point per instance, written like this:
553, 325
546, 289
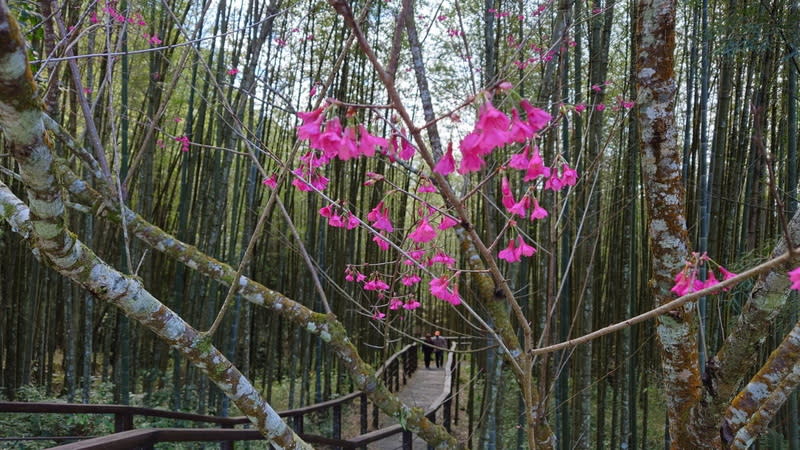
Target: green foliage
43, 425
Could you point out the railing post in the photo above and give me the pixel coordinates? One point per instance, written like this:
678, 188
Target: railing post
408, 440
457, 382
364, 413
374, 417
298, 423
123, 421
397, 375
226, 445
404, 367
432, 418
337, 421
446, 412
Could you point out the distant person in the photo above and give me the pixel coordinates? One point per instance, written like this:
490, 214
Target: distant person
441, 345
427, 350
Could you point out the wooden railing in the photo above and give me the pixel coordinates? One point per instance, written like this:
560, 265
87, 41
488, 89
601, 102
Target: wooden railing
394, 371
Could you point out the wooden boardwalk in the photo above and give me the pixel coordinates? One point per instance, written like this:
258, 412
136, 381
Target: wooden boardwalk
421, 390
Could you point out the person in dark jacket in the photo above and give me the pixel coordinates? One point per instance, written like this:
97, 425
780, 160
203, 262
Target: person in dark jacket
441, 345
427, 350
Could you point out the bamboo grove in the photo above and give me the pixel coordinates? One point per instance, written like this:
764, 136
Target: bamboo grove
173, 132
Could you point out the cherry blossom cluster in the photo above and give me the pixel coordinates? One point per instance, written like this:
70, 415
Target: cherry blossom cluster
686, 281
330, 136
184, 141
117, 17
492, 130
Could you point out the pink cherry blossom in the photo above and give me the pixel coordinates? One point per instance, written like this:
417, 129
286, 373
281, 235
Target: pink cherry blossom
505, 191
538, 212
423, 233
311, 127
368, 142
520, 131
184, 141
233, 71
417, 254
523, 248
521, 207
554, 182
537, 118
319, 181
569, 176
726, 274
794, 277
580, 107
683, 284
347, 147
376, 285
410, 280
600, 107
378, 315
395, 304
271, 182
336, 221
510, 253
520, 160
326, 211
407, 150
381, 241
447, 222
352, 222
411, 304
711, 279
440, 288
443, 258
425, 185
470, 161
536, 167
447, 164
380, 218
330, 140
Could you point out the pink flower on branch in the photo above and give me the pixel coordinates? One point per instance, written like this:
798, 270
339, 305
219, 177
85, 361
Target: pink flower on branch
423, 233
447, 164
537, 118
411, 304
536, 167
381, 241
376, 285
410, 280
425, 185
379, 216
367, 142
794, 277
520, 160
538, 212
510, 253
447, 222
440, 288
521, 207
505, 191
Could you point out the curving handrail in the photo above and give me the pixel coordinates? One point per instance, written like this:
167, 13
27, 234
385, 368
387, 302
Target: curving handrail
125, 434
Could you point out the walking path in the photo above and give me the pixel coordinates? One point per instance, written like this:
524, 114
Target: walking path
421, 390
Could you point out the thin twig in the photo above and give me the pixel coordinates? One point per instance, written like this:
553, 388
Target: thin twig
667, 307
